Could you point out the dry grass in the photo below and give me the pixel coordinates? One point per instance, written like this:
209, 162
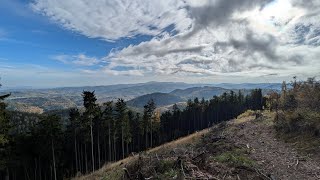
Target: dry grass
181, 141
249, 115
110, 169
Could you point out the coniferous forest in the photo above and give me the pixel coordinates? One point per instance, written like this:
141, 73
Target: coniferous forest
49, 147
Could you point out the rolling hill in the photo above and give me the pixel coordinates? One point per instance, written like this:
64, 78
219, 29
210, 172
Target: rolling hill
160, 99
66, 97
200, 92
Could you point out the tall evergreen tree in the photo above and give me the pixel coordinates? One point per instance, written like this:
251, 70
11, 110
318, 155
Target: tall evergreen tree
122, 122
148, 114
107, 116
89, 102
74, 127
50, 128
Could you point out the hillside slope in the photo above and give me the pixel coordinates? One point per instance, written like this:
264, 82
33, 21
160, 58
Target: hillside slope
160, 99
205, 92
244, 148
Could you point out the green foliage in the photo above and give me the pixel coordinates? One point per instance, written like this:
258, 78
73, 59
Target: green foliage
164, 166
236, 157
165, 169
300, 120
300, 107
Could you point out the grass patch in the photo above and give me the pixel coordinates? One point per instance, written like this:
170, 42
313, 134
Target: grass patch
114, 174
236, 158
164, 166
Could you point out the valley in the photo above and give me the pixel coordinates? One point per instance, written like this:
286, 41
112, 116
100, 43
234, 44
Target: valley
165, 95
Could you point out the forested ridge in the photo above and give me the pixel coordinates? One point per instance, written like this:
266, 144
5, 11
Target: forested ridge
50, 148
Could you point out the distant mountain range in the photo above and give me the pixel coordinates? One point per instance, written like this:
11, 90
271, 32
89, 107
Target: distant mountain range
164, 93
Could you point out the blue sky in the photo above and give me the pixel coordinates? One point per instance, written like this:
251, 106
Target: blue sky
45, 43
29, 41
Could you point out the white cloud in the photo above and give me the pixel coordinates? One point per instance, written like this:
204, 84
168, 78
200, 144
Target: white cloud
213, 37
113, 19
79, 60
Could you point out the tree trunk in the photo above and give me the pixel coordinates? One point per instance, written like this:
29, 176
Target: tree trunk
92, 153
7, 176
122, 142
151, 133
40, 177
146, 134
80, 156
35, 168
54, 161
109, 132
105, 149
50, 172
114, 147
86, 157
99, 162
127, 148
75, 151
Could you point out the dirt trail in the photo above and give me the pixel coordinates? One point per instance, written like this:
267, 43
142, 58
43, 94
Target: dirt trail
277, 159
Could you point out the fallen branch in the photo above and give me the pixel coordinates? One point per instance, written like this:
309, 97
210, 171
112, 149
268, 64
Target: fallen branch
127, 173
262, 174
297, 163
198, 156
182, 169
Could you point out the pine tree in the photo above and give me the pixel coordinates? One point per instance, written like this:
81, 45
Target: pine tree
89, 102
74, 117
107, 116
148, 114
50, 128
122, 123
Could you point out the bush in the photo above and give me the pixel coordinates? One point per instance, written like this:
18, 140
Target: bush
300, 107
236, 158
298, 121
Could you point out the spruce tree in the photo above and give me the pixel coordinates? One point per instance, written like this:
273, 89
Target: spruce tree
148, 114
122, 123
89, 102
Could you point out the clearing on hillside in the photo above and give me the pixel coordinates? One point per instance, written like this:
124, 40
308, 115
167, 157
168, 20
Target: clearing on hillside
244, 148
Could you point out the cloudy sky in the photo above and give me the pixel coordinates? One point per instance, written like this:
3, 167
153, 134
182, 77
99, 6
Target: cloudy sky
48, 43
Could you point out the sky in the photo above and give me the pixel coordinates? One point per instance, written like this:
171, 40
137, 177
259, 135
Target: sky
54, 43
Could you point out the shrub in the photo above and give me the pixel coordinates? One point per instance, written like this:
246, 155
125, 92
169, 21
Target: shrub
236, 157
298, 121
